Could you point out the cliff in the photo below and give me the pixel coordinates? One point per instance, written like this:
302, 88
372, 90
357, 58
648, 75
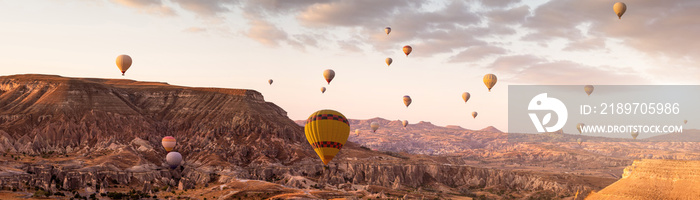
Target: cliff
655, 179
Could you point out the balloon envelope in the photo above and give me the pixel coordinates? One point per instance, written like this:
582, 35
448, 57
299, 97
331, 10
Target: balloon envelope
168, 143
327, 131
323, 89
374, 126
474, 114
634, 135
173, 159
404, 123
579, 126
685, 121
407, 50
387, 30
329, 74
388, 61
269, 81
588, 89
619, 9
407, 100
357, 131
490, 81
466, 96
123, 63
580, 141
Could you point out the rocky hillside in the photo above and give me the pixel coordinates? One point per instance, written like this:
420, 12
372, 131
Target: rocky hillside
655, 179
82, 135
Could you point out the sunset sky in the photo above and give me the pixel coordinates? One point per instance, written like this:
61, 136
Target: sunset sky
242, 44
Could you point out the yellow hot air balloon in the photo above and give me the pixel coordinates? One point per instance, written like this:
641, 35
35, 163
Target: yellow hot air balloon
388, 61
404, 123
387, 30
329, 74
327, 131
123, 63
407, 50
407, 100
579, 126
168, 143
466, 96
588, 89
490, 81
619, 9
323, 90
634, 135
374, 126
357, 132
580, 141
474, 114
269, 81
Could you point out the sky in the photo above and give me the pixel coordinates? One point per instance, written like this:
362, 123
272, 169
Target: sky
242, 44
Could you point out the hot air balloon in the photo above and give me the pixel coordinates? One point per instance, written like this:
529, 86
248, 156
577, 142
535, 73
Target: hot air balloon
168, 143
634, 135
407, 50
327, 131
580, 141
323, 90
357, 131
490, 81
374, 126
123, 63
404, 123
388, 61
173, 159
685, 121
407, 100
579, 126
466, 96
269, 81
588, 89
329, 74
474, 114
387, 30
619, 9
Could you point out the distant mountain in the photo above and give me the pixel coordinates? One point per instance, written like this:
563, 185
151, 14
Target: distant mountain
688, 135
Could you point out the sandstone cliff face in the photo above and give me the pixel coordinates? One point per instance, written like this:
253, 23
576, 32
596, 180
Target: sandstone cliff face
41, 113
655, 179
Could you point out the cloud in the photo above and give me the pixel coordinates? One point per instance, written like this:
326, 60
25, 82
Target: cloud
656, 28
208, 8
148, 6
266, 32
195, 30
530, 69
477, 53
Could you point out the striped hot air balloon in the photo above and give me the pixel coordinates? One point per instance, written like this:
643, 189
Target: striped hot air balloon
327, 131
123, 63
490, 80
168, 143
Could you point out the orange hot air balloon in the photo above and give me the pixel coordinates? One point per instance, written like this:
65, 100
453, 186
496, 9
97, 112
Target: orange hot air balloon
329, 74
474, 114
123, 63
327, 131
407, 50
168, 143
323, 90
387, 30
269, 81
490, 81
407, 100
588, 89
